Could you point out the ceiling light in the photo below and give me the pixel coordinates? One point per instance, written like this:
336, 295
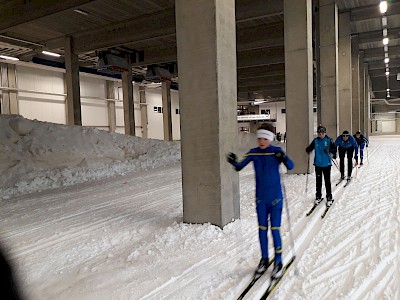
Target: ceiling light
82, 12
383, 6
8, 57
386, 60
386, 48
385, 41
384, 21
51, 53
387, 90
385, 32
387, 73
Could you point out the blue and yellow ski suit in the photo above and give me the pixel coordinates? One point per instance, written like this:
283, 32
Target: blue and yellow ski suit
269, 199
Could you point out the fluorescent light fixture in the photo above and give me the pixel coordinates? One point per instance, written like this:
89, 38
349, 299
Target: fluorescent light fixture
82, 12
386, 48
383, 6
387, 90
51, 53
398, 76
258, 101
385, 41
384, 21
387, 73
387, 70
385, 32
8, 57
386, 60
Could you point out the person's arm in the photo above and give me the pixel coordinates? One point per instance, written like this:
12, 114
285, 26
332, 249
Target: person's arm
283, 158
310, 147
366, 141
232, 159
332, 148
354, 143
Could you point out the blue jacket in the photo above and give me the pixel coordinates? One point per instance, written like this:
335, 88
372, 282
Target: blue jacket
266, 166
361, 140
351, 142
322, 149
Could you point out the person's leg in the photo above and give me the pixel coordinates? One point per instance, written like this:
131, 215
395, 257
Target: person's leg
276, 217
361, 153
349, 161
262, 216
327, 179
318, 174
342, 152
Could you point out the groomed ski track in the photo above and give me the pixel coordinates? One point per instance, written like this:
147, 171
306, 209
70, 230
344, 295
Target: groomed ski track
123, 238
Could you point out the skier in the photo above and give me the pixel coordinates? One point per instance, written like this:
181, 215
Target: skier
323, 146
361, 142
269, 198
347, 144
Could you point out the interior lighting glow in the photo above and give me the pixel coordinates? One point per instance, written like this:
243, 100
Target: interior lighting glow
386, 60
8, 57
80, 11
51, 53
387, 73
383, 6
387, 90
385, 41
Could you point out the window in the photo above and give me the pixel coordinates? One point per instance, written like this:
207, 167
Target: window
283, 110
314, 109
177, 111
158, 109
265, 111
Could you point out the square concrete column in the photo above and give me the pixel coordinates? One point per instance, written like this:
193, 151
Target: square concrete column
298, 80
367, 97
127, 95
167, 117
362, 92
8, 98
355, 84
112, 118
143, 111
206, 40
345, 73
328, 34
73, 100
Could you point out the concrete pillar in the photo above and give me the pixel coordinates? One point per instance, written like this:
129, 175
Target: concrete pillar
362, 92
143, 111
73, 100
298, 80
112, 119
328, 34
397, 122
345, 73
8, 98
355, 84
167, 116
206, 40
127, 94
367, 123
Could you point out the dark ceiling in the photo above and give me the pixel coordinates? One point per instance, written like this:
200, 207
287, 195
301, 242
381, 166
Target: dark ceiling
148, 27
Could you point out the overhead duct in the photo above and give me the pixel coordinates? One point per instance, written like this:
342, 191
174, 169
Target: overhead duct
112, 63
157, 74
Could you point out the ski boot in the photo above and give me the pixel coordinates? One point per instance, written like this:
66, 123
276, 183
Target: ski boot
329, 201
317, 200
361, 163
262, 266
277, 272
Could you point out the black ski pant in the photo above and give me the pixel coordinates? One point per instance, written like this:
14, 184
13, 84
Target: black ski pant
349, 153
327, 178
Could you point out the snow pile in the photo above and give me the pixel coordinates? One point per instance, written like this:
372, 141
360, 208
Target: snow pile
36, 155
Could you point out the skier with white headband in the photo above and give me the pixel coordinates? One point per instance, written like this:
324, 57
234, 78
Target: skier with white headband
269, 198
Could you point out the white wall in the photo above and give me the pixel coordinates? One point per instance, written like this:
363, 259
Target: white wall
155, 119
176, 118
276, 113
384, 123
50, 108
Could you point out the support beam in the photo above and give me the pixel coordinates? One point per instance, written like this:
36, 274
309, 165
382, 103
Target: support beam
167, 117
127, 91
73, 100
355, 84
261, 57
379, 64
361, 91
208, 103
371, 12
112, 119
143, 111
262, 71
8, 99
367, 101
345, 74
257, 9
299, 80
378, 53
262, 88
279, 79
328, 33
268, 35
13, 13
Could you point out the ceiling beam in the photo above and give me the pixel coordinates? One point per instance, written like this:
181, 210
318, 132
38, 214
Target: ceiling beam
376, 35
267, 94
268, 35
262, 71
262, 88
378, 53
377, 65
261, 81
372, 12
158, 55
13, 13
261, 57
256, 9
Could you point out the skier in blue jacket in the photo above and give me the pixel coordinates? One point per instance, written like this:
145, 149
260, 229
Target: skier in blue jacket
269, 199
347, 145
323, 147
362, 141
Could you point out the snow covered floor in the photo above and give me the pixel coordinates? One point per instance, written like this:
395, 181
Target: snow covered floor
123, 238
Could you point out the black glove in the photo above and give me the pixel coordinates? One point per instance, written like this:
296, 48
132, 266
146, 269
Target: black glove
334, 156
280, 156
366, 145
231, 157
356, 158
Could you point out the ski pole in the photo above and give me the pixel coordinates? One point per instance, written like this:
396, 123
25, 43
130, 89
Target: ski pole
308, 172
367, 155
335, 163
289, 223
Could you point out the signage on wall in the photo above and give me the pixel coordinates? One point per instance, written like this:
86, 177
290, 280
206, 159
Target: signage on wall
253, 117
